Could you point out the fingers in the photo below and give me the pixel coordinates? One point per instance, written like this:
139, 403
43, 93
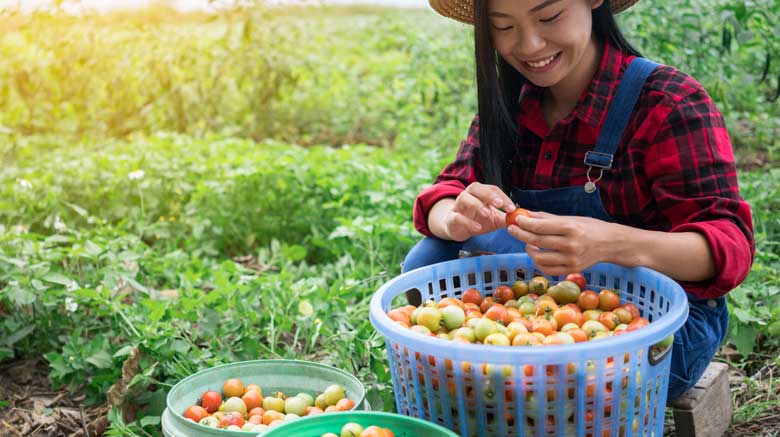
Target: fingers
491, 195
547, 241
548, 262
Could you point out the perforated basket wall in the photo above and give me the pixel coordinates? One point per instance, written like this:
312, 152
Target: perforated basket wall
607, 387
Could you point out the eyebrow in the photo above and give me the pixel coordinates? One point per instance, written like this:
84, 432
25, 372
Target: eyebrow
538, 7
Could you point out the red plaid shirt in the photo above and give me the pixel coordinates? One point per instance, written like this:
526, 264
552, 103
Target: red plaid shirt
673, 169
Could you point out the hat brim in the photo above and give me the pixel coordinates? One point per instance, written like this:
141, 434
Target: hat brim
463, 10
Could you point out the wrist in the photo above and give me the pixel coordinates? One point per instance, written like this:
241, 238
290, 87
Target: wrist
624, 246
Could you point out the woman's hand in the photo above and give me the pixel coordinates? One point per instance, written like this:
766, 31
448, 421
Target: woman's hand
560, 245
474, 212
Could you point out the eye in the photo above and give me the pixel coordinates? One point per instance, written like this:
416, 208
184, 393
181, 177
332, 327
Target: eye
551, 19
501, 28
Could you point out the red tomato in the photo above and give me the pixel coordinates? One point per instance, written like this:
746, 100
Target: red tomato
608, 300
211, 401
632, 309
511, 218
472, 295
232, 418
588, 300
503, 294
196, 413
609, 320
637, 323
578, 279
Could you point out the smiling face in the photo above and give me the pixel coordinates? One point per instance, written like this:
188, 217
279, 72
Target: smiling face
549, 42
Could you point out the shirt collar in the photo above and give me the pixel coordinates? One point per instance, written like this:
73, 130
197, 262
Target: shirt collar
593, 104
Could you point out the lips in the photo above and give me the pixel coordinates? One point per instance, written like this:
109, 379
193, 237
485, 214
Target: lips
541, 63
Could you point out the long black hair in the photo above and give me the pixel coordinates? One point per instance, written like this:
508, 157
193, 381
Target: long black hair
498, 90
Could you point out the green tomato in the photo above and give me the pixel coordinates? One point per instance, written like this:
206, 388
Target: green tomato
453, 316
209, 421
273, 403
235, 404
295, 405
320, 403
351, 429
333, 394
306, 397
430, 318
485, 327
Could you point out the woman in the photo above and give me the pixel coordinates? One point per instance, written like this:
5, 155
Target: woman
618, 159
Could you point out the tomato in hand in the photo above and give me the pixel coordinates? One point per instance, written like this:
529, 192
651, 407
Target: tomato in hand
511, 218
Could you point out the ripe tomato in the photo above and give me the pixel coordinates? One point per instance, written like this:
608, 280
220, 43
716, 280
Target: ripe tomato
345, 404
609, 320
253, 387
503, 294
196, 413
211, 401
623, 314
232, 418
252, 399
608, 300
588, 300
375, 431
637, 323
632, 309
497, 313
486, 303
511, 218
233, 388
472, 295
578, 279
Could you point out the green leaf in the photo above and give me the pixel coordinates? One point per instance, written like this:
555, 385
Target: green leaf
18, 335
746, 316
149, 421
101, 359
124, 351
743, 337
294, 252
57, 278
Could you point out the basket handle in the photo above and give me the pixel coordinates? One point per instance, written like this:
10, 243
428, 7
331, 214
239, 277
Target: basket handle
658, 352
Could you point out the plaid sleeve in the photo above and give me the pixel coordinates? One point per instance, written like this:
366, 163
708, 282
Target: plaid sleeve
691, 167
455, 177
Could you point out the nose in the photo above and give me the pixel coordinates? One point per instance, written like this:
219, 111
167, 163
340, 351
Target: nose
528, 44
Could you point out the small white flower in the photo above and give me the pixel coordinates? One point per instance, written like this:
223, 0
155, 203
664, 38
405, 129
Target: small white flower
73, 286
136, 174
23, 184
71, 305
59, 224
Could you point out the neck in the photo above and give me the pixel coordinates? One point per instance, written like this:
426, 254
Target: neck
563, 97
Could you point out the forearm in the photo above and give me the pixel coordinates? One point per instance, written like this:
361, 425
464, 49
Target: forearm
437, 216
683, 256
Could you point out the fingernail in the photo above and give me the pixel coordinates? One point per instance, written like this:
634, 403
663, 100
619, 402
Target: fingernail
476, 226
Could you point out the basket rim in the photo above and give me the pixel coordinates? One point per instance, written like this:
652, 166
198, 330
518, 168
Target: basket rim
657, 330
179, 416
323, 417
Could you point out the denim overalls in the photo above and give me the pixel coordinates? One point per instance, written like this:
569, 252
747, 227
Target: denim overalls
698, 340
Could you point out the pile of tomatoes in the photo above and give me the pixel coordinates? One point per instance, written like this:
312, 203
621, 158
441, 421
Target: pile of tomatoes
245, 409
353, 429
525, 314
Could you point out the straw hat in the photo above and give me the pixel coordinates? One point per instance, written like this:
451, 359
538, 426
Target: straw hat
463, 10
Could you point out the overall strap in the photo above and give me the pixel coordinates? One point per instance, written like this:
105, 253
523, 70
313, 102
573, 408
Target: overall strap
620, 111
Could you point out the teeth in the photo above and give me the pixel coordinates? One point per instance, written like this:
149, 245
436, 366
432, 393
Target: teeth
541, 63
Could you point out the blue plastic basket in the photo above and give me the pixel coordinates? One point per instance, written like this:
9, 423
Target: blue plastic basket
613, 386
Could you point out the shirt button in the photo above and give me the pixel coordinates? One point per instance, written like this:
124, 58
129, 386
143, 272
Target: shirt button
711, 303
547, 155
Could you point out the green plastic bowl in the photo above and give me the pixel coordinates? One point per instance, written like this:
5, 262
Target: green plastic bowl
288, 376
402, 426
